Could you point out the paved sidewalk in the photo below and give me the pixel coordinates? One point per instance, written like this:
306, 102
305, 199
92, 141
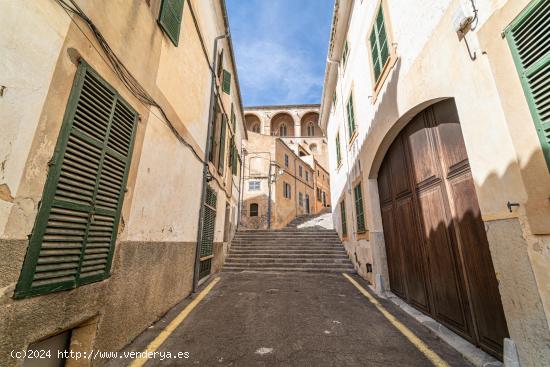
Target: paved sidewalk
251, 319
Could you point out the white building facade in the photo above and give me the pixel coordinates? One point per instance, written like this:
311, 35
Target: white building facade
435, 113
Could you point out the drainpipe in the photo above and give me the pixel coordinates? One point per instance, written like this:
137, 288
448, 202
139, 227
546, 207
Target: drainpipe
205, 171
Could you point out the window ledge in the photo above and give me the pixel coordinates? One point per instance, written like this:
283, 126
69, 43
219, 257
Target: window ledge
363, 235
383, 76
352, 139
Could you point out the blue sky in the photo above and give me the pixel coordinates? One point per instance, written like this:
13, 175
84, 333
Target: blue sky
280, 47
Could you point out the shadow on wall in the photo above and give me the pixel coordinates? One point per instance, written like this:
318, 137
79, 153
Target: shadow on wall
458, 286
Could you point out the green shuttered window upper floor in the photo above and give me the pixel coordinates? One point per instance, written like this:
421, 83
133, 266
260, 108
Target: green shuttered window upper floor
75, 231
170, 19
379, 48
359, 211
529, 39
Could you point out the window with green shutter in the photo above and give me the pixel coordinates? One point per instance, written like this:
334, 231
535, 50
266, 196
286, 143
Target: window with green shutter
343, 218
351, 116
359, 211
226, 82
233, 118
529, 40
207, 237
379, 47
338, 153
170, 19
345, 54
221, 158
74, 235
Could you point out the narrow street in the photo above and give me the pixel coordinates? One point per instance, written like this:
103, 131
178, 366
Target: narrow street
254, 183
253, 319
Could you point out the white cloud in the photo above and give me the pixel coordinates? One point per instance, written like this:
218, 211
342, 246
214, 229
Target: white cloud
267, 67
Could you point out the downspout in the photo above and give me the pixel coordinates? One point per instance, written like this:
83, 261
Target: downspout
205, 171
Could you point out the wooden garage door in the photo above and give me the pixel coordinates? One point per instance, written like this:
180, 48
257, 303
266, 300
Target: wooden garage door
438, 254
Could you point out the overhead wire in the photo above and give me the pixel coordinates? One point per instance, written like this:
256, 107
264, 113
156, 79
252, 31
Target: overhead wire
133, 85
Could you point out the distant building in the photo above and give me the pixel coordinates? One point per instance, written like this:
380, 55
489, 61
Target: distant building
437, 115
283, 174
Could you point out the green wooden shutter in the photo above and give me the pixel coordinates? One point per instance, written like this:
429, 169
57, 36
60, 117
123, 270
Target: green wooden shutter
343, 218
529, 40
359, 209
226, 83
380, 51
73, 239
351, 116
221, 160
170, 19
338, 153
233, 118
208, 226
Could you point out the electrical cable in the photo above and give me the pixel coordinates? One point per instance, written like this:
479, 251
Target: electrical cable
133, 85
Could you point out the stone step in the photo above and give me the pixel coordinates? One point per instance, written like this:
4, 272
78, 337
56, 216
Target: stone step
275, 252
289, 270
288, 256
286, 246
292, 265
289, 239
256, 260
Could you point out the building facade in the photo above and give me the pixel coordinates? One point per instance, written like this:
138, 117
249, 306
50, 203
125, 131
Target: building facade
282, 174
119, 182
436, 114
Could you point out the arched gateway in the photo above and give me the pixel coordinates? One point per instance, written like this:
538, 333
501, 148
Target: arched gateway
438, 255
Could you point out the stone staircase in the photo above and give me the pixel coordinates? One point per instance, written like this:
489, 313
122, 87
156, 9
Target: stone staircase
288, 250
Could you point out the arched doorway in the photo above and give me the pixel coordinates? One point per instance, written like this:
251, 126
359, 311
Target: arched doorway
437, 250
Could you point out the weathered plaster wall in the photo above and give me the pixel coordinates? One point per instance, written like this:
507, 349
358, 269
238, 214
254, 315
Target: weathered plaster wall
155, 251
26, 83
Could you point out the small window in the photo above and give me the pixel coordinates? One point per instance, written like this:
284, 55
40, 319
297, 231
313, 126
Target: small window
300, 171
351, 116
226, 83
307, 176
300, 199
254, 186
170, 19
311, 129
253, 210
282, 130
286, 190
286, 160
